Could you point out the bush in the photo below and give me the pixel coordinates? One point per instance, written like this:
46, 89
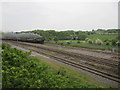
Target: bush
61, 43
82, 36
107, 43
86, 39
118, 43
89, 41
106, 40
98, 42
68, 43
114, 42
78, 41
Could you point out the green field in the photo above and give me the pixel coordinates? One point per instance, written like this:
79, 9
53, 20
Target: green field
85, 44
74, 41
103, 37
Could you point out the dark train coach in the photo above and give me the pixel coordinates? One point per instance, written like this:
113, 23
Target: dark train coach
23, 37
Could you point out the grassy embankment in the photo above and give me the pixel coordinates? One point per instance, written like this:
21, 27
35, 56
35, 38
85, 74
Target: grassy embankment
20, 70
70, 72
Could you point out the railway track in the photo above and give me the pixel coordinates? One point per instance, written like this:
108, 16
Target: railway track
97, 51
91, 70
80, 66
101, 61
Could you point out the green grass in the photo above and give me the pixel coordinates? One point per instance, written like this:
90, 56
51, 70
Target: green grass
103, 37
75, 41
70, 72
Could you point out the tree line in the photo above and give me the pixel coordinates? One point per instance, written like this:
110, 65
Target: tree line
70, 34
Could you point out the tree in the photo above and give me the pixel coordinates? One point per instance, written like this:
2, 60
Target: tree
55, 39
114, 42
82, 36
107, 43
98, 41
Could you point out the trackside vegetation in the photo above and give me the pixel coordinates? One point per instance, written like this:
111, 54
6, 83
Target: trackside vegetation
20, 70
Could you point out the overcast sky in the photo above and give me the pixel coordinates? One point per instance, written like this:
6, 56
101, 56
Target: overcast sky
65, 15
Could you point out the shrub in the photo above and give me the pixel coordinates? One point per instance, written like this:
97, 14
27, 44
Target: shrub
106, 40
86, 39
114, 42
118, 43
61, 43
107, 43
78, 41
68, 43
89, 41
98, 42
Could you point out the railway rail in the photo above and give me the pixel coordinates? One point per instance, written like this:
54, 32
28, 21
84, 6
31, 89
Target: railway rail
91, 70
97, 51
80, 66
101, 61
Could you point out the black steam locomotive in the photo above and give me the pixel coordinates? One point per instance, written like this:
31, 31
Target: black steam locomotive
23, 37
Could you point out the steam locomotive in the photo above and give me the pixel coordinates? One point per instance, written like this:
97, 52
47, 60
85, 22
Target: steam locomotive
23, 37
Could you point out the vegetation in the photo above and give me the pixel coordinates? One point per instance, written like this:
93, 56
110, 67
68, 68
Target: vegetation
62, 35
70, 72
103, 37
76, 35
95, 39
20, 70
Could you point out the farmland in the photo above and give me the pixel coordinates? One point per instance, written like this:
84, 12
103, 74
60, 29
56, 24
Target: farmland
103, 37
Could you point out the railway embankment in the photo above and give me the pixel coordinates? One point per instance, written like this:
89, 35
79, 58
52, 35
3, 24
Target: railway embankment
52, 56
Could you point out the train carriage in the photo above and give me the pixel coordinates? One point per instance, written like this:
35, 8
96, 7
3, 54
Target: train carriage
23, 37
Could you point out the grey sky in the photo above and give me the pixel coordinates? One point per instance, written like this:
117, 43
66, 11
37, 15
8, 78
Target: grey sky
17, 16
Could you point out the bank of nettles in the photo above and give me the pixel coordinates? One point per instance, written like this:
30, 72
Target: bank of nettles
20, 70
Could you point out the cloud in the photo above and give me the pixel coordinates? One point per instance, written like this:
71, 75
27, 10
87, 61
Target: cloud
59, 16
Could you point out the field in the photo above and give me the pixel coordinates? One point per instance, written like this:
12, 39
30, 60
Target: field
94, 37
85, 44
103, 37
